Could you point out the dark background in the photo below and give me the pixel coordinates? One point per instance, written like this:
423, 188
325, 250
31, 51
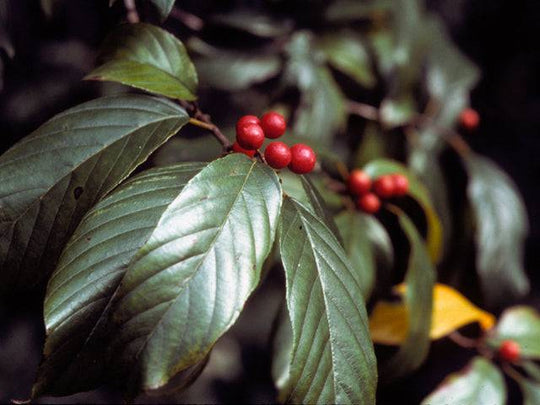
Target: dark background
44, 78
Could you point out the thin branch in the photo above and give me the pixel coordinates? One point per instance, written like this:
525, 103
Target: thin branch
132, 14
463, 341
363, 110
198, 118
454, 139
189, 20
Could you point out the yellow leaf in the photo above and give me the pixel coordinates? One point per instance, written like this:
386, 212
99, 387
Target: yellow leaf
451, 311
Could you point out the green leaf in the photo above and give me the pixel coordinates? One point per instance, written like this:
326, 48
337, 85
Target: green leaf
522, 325
257, 24
187, 285
373, 145
479, 383
81, 289
420, 280
148, 58
501, 227
164, 7
52, 177
347, 53
343, 11
237, 71
532, 369
282, 345
417, 191
530, 390
321, 112
332, 357
353, 226
397, 111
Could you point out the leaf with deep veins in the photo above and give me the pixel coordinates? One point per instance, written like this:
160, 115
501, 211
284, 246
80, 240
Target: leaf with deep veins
52, 177
332, 357
81, 289
187, 285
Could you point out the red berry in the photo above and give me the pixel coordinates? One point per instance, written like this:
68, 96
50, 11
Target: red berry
369, 203
250, 136
302, 159
246, 120
237, 148
277, 155
359, 182
469, 119
384, 186
273, 124
509, 350
401, 184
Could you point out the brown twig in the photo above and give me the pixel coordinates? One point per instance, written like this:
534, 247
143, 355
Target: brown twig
132, 14
202, 120
454, 139
363, 110
189, 20
463, 341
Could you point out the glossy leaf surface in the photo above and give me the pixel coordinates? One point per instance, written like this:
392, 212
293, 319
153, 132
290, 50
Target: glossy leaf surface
187, 285
148, 58
332, 357
53, 176
81, 289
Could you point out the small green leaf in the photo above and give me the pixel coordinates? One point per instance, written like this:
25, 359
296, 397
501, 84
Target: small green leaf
532, 369
187, 285
397, 111
164, 7
332, 358
89, 271
420, 280
347, 53
417, 191
530, 390
501, 227
53, 176
353, 227
148, 58
373, 145
479, 383
237, 71
254, 23
282, 345
321, 112
522, 325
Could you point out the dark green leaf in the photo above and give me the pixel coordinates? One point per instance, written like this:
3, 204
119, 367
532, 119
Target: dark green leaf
164, 7
479, 383
332, 357
342, 11
373, 145
234, 71
146, 57
501, 228
282, 346
321, 112
254, 23
522, 325
353, 229
530, 390
52, 177
417, 191
187, 285
347, 53
419, 279
397, 111
89, 271
532, 369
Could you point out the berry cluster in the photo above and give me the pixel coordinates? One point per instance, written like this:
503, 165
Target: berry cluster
369, 193
250, 134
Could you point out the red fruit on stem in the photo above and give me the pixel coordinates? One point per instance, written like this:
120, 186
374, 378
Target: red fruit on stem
246, 120
273, 124
369, 203
238, 149
384, 186
401, 184
469, 119
509, 350
359, 182
302, 159
250, 136
277, 155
